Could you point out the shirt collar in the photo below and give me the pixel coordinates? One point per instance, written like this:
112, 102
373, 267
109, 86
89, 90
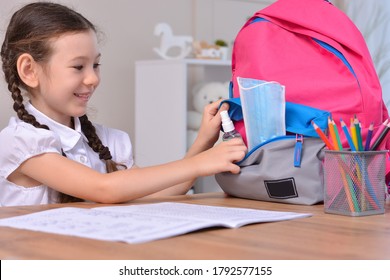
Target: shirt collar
69, 137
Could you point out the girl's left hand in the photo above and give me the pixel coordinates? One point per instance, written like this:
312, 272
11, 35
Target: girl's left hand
211, 123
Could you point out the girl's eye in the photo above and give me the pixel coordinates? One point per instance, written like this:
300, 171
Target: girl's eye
81, 67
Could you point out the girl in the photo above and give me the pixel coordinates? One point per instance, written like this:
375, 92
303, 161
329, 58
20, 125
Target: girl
52, 152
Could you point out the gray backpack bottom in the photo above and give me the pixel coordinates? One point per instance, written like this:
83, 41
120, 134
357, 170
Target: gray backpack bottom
269, 174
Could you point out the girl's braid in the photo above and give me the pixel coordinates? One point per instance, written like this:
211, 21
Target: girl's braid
14, 83
96, 144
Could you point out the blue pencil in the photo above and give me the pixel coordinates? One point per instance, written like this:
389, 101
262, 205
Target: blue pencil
347, 135
369, 137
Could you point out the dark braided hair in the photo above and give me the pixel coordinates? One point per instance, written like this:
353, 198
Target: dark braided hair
96, 144
29, 31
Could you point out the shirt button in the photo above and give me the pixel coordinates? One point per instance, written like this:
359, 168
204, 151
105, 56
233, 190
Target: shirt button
83, 159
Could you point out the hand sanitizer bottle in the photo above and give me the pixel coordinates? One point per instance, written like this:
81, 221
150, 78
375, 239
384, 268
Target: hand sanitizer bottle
228, 127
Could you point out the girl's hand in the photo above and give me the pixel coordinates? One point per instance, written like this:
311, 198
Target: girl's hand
211, 123
221, 158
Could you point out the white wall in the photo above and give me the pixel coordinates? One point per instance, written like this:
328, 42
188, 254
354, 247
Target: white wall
128, 28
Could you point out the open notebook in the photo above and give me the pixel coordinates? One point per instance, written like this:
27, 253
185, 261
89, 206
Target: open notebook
141, 223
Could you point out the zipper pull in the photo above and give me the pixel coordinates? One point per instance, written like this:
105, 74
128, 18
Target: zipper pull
298, 150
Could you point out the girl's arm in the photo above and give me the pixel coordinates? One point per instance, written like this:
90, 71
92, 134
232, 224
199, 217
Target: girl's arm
73, 178
207, 136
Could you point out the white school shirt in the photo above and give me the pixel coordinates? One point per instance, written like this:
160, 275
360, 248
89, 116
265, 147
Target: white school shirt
20, 141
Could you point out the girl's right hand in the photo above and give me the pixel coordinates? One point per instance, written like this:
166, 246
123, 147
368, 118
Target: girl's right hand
221, 158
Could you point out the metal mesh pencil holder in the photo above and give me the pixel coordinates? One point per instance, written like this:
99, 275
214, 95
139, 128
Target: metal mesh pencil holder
354, 182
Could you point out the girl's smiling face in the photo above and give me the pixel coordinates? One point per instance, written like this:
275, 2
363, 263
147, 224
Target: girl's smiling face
69, 78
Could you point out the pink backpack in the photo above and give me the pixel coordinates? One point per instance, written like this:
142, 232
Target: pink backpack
318, 54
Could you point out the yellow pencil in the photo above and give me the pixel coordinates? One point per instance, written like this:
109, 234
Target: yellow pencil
332, 134
353, 134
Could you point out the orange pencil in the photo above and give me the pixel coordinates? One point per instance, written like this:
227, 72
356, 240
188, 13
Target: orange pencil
322, 136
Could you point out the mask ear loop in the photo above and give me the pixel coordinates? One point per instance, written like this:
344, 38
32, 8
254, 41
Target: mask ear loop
252, 87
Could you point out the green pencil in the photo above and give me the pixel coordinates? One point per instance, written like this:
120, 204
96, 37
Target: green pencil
336, 132
358, 134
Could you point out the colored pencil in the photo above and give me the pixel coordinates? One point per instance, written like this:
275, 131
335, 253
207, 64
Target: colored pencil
339, 145
322, 136
332, 133
347, 135
379, 131
353, 134
369, 137
358, 134
381, 138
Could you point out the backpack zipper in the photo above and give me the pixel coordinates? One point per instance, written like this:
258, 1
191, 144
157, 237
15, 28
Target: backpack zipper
339, 55
298, 150
277, 138
326, 46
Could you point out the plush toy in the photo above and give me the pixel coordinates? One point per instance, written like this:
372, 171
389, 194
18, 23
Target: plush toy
201, 96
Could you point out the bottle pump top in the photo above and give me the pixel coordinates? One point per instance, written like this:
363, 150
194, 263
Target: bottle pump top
227, 124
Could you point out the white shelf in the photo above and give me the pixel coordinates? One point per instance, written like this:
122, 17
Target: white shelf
161, 102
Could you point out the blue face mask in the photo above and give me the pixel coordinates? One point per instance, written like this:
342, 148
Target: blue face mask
263, 106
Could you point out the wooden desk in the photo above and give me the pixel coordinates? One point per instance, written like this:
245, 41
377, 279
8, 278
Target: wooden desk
322, 236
